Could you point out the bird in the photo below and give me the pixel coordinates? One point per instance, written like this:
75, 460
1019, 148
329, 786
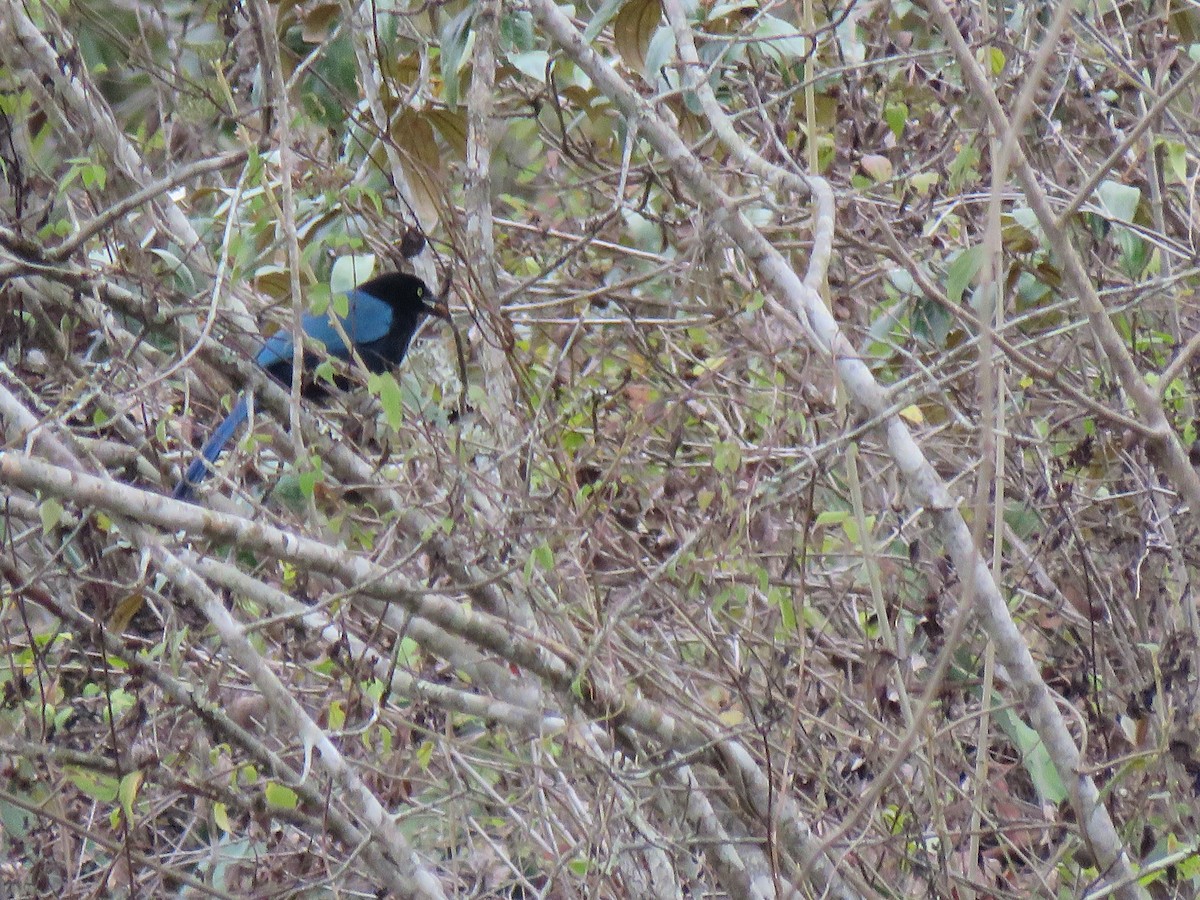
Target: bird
382, 316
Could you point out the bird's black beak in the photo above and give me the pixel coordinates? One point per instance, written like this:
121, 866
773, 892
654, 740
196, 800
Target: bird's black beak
438, 307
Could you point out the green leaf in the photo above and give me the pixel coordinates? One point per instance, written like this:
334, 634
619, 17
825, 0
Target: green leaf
456, 39
896, 116
387, 389
1034, 757
308, 480
280, 796
516, 29
787, 609
13, 104
923, 182
832, 517
658, 53
931, 322
336, 717
780, 39
93, 175
1135, 252
531, 64
425, 754
319, 298
992, 58
964, 168
350, 271
602, 17
850, 526
183, 275
408, 654
1189, 867
1119, 201
727, 456
962, 272
850, 529
542, 557
1174, 161
324, 372
101, 788
903, 281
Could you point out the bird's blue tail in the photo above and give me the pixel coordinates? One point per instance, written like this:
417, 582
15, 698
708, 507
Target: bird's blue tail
199, 468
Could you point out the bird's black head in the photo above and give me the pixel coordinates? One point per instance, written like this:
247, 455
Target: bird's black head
407, 294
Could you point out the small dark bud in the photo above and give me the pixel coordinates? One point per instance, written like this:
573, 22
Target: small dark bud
412, 243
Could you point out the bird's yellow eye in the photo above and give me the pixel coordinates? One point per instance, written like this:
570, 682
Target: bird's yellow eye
420, 292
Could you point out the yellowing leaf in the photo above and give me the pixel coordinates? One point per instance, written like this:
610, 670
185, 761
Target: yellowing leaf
274, 281
732, 717
451, 124
403, 72
1016, 237
422, 163
125, 610
632, 30
923, 182
726, 17
128, 791
318, 21
52, 513
913, 414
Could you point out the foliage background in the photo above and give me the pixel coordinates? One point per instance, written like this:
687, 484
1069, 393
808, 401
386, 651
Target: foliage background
623, 585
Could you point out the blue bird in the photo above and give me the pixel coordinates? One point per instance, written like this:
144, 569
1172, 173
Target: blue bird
382, 317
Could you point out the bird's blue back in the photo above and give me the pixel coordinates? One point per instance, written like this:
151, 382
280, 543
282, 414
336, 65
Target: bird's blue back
367, 320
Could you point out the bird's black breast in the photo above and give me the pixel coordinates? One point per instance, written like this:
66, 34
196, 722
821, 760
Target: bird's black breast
389, 350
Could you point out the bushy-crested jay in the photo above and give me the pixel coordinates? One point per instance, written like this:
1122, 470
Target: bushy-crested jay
382, 316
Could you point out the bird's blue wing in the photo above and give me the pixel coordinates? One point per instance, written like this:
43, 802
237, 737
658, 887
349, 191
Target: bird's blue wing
367, 319
277, 348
